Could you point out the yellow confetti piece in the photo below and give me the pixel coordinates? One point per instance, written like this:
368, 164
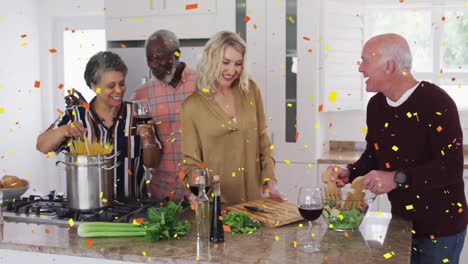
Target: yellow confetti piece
287, 161
364, 130
379, 213
177, 54
28, 174
24, 44
386, 125
276, 237
148, 181
272, 146
104, 200
409, 115
310, 165
98, 90
2, 110
205, 90
409, 207
172, 140
395, 148
438, 113
290, 105
143, 253
295, 244
331, 226
459, 204
138, 19
2, 86
413, 232
404, 73
445, 260
313, 235
317, 125
266, 179
233, 174
291, 19
50, 154
327, 48
1, 18
332, 96
340, 216
388, 255
71, 222
301, 225
442, 152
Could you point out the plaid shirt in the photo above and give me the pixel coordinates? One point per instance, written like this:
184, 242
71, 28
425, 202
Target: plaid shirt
166, 102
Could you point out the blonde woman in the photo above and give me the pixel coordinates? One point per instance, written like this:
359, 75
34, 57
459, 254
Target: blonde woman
223, 124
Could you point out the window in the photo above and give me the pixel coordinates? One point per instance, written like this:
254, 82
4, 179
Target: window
437, 37
79, 46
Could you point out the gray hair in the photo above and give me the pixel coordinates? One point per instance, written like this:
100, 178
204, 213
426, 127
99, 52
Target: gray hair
212, 58
395, 47
100, 62
167, 36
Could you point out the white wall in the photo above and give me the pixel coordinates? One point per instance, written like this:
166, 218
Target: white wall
27, 110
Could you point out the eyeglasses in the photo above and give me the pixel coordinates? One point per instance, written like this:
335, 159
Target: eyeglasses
160, 60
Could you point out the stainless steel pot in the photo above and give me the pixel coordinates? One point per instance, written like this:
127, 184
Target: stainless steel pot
90, 180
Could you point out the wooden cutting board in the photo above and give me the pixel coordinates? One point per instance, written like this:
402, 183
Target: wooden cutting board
286, 213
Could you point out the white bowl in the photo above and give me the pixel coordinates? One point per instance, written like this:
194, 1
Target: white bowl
10, 193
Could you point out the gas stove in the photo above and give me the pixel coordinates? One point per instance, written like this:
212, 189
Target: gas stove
53, 209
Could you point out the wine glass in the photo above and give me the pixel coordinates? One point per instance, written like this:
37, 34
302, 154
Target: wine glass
310, 205
194, 174
141, 111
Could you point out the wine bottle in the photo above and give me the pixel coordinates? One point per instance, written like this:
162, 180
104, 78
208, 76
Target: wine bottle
202, 211
217, 232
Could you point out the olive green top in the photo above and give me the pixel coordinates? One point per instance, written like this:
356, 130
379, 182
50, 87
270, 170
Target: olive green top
238, 150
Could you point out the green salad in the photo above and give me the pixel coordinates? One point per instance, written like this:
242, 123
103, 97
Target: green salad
343, 219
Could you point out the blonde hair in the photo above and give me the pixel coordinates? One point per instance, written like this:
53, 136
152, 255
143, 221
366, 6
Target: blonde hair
212, 58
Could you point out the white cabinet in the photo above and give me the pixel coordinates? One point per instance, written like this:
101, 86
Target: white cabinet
194, 19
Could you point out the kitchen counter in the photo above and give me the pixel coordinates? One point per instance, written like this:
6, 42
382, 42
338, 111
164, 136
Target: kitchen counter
380, 235
345, 152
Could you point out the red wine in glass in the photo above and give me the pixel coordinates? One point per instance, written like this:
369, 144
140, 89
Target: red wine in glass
142, 119
194, 189
310, 212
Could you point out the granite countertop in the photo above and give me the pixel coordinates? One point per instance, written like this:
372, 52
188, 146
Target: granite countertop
345, 152
379, 235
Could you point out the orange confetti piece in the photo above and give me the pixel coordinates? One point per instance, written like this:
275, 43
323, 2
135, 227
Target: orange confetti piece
453, 79
73, 31
85, 105
123, 46
267, 190
306, 38
246, 19
221, 217
255, 26
432, 237
346, 234
60, 86
226, 228
376, 146
439, 128
181, 174
309, 50
443, 18
139, 220
215, 246
37, 84
129, 172
192, 206
47, 231
320, 108
325, 258
23, 35
191, 6
297, 135
202, 165
89, 243
60, 111
52, 50
387, 165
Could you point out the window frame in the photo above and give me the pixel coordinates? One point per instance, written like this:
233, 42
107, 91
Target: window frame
437, 10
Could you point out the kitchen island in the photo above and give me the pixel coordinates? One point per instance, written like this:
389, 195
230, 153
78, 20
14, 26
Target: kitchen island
382, 239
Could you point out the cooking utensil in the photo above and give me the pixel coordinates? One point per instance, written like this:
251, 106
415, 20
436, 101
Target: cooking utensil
90, 180
256, 209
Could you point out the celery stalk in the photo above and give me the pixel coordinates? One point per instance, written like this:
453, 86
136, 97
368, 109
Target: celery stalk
99, 229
